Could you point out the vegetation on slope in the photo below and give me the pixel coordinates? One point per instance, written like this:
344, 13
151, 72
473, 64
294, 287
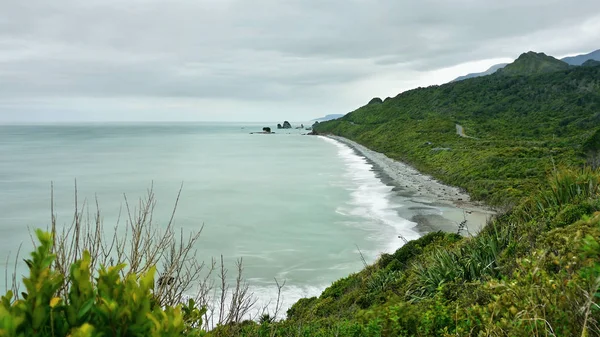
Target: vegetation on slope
591, 63
521, 126
533, 63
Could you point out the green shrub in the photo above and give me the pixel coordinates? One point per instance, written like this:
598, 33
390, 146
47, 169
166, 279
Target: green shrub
381, 281
340, 287
573, 212
400, 258
300, 308
474, 260
110, 306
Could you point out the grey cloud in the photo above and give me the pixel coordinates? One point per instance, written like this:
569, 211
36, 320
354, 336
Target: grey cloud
167, 77
409, 30
301, 52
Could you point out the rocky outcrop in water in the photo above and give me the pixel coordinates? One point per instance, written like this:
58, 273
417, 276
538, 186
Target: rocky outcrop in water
286, 125
265, 130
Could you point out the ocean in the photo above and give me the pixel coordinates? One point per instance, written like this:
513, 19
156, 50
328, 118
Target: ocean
297, 208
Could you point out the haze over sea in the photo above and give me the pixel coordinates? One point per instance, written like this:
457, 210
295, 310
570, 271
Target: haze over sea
294, 207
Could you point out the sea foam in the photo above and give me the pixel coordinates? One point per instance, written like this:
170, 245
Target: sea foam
371, 200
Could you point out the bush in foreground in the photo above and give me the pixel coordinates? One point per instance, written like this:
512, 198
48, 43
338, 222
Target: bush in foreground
107, 305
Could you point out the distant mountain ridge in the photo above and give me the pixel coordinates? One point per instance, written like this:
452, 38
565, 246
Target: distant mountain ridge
579, 60
328, 117
490, 71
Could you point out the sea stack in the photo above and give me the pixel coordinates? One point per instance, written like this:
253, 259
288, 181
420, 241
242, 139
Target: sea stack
286, 125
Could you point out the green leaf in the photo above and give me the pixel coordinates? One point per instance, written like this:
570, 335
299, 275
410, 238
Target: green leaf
85, 308
47, 261
39, 316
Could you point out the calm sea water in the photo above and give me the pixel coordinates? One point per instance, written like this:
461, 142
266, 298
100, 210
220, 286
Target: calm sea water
294, 207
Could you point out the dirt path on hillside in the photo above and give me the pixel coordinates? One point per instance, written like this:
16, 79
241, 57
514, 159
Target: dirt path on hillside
461, 132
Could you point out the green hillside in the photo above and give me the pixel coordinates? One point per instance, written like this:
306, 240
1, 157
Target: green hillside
591, 63
520, 127
533, 63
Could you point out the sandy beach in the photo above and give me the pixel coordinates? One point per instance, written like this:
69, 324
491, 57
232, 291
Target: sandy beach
433, 205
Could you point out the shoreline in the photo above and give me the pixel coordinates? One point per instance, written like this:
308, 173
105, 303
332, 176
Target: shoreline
425, 192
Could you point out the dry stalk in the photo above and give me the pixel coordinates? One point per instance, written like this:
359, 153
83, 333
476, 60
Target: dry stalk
140, 243
362, 257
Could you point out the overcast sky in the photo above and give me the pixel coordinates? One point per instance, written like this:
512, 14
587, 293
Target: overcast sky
259, 60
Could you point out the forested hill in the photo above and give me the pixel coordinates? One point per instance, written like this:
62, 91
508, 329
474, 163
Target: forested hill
521, 123
534, 63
